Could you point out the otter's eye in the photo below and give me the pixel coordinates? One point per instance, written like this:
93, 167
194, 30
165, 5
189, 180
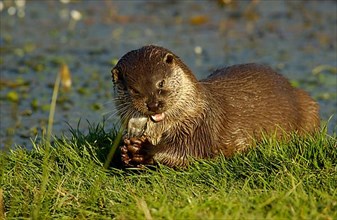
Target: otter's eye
161, 84
133, 91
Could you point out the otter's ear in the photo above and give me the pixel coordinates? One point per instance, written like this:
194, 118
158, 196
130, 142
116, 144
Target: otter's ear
169, 58
115, 74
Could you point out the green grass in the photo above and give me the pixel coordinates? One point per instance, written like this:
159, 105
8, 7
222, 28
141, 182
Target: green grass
297, 180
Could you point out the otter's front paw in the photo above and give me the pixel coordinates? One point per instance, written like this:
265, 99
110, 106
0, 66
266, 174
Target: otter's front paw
133, 153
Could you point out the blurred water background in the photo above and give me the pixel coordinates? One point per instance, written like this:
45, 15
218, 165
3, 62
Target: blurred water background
297, 38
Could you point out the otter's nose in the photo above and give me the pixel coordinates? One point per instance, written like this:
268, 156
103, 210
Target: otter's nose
154, 106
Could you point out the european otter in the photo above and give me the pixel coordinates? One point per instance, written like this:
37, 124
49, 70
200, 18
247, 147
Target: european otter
178, 117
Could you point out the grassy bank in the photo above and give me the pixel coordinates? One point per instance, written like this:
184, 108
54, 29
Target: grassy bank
297, 180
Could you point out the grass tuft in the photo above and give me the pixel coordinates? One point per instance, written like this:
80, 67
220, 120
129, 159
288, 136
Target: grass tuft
277, 180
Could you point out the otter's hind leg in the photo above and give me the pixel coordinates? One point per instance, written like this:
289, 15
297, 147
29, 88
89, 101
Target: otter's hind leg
309, 122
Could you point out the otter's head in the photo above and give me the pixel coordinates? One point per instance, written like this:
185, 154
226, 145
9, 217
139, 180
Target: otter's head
149, 83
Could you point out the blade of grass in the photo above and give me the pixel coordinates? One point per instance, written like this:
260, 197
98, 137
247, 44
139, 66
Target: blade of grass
52, 107
114, 146
46, 159
2, 205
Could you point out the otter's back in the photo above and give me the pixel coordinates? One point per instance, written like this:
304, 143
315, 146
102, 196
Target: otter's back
255, 98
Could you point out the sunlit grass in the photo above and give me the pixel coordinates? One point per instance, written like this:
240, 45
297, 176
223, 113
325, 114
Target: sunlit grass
294, 180
46, 158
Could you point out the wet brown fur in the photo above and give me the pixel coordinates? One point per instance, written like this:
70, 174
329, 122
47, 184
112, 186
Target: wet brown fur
225, 113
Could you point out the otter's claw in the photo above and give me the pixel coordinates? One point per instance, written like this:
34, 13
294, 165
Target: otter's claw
133, 154
136, 126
